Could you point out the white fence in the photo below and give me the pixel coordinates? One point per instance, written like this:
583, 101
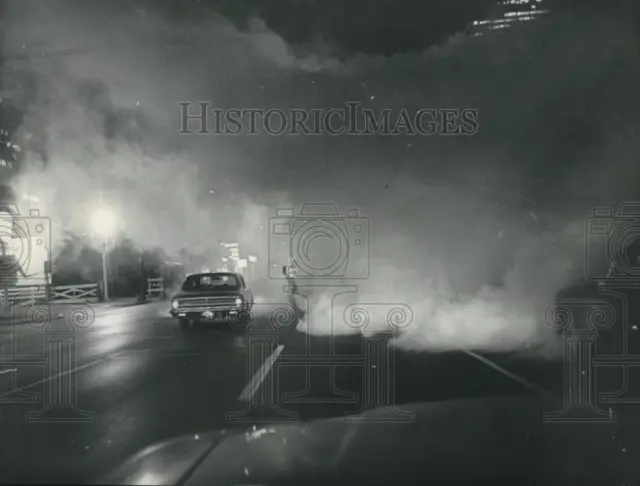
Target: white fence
87, 292
155, 287
26, 294
23, 295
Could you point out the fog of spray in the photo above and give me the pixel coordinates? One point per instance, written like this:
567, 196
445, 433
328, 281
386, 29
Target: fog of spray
477, 237
110, 117
475, 234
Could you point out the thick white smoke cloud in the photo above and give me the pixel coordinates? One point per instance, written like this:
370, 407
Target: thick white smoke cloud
473, 275
475, 234
480, 239
166, 193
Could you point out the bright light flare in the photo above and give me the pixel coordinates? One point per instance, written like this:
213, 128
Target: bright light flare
103, 222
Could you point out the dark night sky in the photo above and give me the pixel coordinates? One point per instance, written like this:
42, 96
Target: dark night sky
381, 27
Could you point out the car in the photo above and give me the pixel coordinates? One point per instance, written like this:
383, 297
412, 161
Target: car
211, 296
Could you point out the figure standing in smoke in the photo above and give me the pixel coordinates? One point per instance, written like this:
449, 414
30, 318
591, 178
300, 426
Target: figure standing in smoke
290, 274
142, 285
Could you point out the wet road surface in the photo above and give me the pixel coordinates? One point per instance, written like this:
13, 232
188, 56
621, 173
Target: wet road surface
76, 401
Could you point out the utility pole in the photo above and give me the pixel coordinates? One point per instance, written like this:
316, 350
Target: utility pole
105, 266
142, 290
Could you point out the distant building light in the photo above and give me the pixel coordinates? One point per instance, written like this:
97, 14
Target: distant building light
526, 14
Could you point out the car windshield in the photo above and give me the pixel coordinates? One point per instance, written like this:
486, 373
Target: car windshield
210, 281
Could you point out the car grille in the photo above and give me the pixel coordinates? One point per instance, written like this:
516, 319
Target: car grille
208, 302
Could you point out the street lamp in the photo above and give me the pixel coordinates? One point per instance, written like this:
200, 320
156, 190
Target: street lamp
103, 223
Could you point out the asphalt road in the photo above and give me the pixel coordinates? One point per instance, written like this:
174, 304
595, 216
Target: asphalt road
131, 378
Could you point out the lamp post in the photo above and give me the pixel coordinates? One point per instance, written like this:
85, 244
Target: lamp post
105, 279
252, 266
103, 223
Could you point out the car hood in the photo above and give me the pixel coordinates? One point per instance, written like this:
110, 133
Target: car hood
207, 293
461, 442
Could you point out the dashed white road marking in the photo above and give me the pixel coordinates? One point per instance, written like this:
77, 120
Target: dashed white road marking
347, 440
255, 382
508, 373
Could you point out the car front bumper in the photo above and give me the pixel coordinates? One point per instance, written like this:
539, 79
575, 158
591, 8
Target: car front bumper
205, 312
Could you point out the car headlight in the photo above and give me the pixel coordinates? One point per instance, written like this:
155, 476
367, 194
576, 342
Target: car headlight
175, 304
238, 301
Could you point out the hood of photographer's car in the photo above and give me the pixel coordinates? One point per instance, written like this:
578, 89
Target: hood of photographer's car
457, 441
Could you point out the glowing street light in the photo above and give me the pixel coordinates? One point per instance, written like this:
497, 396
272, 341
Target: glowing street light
103, 222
